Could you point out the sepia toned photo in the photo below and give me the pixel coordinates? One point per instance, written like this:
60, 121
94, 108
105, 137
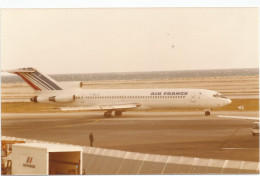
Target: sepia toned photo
130, 91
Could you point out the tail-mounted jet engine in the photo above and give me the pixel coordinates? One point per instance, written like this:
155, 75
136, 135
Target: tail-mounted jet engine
59, 99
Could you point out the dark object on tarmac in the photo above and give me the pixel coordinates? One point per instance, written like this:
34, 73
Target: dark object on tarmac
255, 130
91, 139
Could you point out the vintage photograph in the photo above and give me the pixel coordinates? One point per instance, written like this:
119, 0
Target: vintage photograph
158, 91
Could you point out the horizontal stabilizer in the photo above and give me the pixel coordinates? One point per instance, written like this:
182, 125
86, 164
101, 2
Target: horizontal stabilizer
35, 79
28, 70
102, 107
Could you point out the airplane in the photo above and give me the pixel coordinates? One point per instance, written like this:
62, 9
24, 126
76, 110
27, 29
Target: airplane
70, 96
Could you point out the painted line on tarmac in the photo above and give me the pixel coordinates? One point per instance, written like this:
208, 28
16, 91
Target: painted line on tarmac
238, 148
77, 124
61, 126
239, 117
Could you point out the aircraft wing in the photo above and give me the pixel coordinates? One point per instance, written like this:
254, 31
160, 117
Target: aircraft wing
239, 117
102, 107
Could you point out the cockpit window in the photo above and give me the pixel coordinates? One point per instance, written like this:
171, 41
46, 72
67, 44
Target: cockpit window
219, 95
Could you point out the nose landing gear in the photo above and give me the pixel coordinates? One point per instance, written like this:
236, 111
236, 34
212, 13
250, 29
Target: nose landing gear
207, 112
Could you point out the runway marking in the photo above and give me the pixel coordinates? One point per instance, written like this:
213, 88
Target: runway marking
239, 117
61, 126
237, 148
154, 118
77, 124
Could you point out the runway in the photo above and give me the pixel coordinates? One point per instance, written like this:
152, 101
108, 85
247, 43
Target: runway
166, 133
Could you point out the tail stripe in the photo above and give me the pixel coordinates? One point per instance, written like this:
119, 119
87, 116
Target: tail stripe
43, 82
33, 81
47, 80
37, 82
29, 82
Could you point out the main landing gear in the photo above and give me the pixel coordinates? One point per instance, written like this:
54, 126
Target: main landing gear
118, 113
109, 113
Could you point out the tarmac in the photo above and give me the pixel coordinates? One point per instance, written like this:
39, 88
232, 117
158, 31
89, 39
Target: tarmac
175, 133
188, 134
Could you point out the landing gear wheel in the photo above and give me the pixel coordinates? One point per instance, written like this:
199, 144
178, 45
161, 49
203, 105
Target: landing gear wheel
118, 113
207, 113
107, 114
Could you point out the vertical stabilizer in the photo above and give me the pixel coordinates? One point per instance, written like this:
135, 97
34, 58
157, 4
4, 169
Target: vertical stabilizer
36, 80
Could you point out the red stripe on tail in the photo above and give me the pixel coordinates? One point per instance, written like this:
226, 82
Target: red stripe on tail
29, 82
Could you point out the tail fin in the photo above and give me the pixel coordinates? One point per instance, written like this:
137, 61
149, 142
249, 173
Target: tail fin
36, 80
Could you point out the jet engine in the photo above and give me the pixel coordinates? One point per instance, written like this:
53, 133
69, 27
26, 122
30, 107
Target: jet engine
37, 99
62, 98
58, 98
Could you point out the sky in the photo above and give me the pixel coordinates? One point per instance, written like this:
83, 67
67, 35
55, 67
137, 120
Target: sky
129, 39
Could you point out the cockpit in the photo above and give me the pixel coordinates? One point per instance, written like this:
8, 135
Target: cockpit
219, 95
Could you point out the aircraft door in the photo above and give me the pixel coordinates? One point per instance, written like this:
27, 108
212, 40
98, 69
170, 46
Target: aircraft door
193, 97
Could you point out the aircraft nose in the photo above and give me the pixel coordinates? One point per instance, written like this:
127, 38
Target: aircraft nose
228, 101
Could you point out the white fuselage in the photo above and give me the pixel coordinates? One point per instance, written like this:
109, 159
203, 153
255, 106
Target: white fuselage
148, 98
